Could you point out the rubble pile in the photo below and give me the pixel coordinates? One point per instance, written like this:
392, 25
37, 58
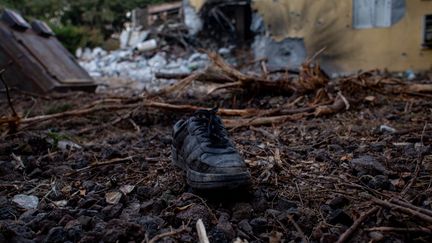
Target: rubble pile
130, 64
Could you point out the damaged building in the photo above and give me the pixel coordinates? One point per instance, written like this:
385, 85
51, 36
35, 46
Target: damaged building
34, 60
395, 35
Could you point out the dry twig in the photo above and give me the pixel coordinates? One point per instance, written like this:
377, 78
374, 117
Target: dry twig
427, 230
409, 211
166, 234
409, 205
299, 230
350, 231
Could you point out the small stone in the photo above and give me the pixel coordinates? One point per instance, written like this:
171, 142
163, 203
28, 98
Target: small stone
112, 211
376, 236
61, 203
245, 226
386, 129
338, 216
26, 201
151, 224
84, 220
328, 238
36, 221
56, 235
126, 189
380, 182
259, 224
87, 202
74, 230
66, 218
143, 191
194, 213
217, 235
35, 173
225, 226
131, 211
285, 204
338, 202
241, 211
12, 229
28, 215
113, 197
273, 212
88, 185
368, 165
377, 147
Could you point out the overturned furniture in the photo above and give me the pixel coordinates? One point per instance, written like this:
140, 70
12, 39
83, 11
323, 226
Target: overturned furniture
35, 60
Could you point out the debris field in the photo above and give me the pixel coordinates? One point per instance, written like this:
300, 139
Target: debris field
332, 160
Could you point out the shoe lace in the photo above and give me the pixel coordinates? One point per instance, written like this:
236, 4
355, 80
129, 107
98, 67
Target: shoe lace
211, 128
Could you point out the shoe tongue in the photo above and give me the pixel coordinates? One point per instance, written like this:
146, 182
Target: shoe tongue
206, 113
213, 126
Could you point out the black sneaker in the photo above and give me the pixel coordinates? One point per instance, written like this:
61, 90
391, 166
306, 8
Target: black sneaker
202, 148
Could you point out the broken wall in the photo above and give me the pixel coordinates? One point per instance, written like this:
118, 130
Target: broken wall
391, 39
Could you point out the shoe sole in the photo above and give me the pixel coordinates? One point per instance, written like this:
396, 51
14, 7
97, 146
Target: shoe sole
200, 180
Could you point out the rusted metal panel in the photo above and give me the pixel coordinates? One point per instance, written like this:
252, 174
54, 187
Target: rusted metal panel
38, 62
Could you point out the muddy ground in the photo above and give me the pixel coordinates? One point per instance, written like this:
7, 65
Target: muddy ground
106, 176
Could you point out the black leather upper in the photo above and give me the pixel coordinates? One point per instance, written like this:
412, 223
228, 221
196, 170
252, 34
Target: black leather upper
203, 143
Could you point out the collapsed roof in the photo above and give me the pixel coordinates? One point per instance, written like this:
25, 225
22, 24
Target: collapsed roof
35, 60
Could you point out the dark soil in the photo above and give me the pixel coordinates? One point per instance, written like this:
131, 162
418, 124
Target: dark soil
312, 178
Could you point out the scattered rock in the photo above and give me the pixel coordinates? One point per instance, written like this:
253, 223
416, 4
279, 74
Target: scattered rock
217, 235
245, 226
376, 236
195, 212
26, 201
84, 220
259, 224
338, 202
88, 185
121, 231
56, 235
338, 216
225, 226
131, 211
368, 165
10, 229
386, 129
112, 211
61, 203
74, 230
380, 182
285, 204
67, 145
126, 189
113, 197
328, 238
7, 211
151, 224
241, 211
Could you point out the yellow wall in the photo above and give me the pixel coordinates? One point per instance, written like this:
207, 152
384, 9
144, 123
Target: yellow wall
328, 23
197, 4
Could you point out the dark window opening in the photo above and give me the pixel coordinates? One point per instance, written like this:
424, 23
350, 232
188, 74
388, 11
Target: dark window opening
427, 31
229, 20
